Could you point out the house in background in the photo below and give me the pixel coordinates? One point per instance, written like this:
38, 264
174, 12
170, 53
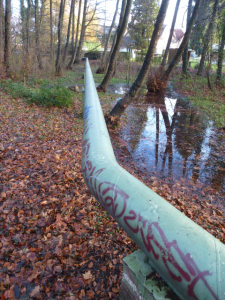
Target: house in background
177, 38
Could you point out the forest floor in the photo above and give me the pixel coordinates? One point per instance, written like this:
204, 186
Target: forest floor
56, 240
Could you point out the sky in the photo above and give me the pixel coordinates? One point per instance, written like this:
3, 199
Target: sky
110, 6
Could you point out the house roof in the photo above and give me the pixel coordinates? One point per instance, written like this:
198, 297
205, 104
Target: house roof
177, 35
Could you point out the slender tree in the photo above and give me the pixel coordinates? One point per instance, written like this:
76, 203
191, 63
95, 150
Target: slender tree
51, 30
128, 98
82, 34
105, 82
37, 27
221, 52
171, 34
28, 26
1, 31
185, 53
73, 27
207, 37
7, 48
124, 2
76, 40
185, 40
68, 30
58, 62
102, 68
22, 13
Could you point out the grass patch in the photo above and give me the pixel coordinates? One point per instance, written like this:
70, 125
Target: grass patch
47, 95
196, 89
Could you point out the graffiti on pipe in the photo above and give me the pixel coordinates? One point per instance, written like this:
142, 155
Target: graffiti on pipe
187, 270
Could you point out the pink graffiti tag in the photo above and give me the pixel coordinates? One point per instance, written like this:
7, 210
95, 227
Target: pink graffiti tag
160, 250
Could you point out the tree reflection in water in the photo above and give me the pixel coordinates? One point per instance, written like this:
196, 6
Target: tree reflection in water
162, 127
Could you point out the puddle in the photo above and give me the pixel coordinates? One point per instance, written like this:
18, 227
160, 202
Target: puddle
170, 139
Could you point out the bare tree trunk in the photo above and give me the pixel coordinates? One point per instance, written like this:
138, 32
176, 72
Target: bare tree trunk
1, 31
76, 41
183, 44
82, 34
101, 69
7, 49
68, 30
51, 32
58, 63
73, 25
171, 34
185, 53
22, 13
105, 82
37, 35
207, 37
124, 2
220, 54
128, 98
28, 26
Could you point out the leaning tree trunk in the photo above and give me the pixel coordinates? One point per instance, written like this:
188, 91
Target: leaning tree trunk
58, 63
185, 53
76, 40
207, 37
171, 34
102, 68
68, 30
124, 2
105, 82
128, 98
40, 65
220, 54
7, 49
82, 34
28, 26
1, 31
177, 57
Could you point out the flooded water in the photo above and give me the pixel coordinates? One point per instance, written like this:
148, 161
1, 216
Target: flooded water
169, 138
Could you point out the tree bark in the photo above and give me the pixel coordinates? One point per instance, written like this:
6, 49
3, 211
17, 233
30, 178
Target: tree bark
105, 82
82, 34
207, 37
102, 68
183, 44
73, 26
221, 54
28, 26
128, 98
68, 30
124, 2
58, 62
171, 34
7, 49
40, 65
76, 40
1, 31
22, 13
51, 31
185, 53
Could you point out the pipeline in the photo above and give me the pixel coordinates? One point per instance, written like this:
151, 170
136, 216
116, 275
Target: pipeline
187, 257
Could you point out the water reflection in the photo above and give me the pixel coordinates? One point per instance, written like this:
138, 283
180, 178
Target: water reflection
169, 137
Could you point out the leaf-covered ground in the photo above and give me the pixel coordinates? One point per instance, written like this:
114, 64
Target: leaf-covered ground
55, 240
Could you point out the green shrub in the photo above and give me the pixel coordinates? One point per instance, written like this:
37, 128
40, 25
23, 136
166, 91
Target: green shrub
47, 95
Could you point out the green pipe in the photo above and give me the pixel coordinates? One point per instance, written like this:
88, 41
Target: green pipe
186, 256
